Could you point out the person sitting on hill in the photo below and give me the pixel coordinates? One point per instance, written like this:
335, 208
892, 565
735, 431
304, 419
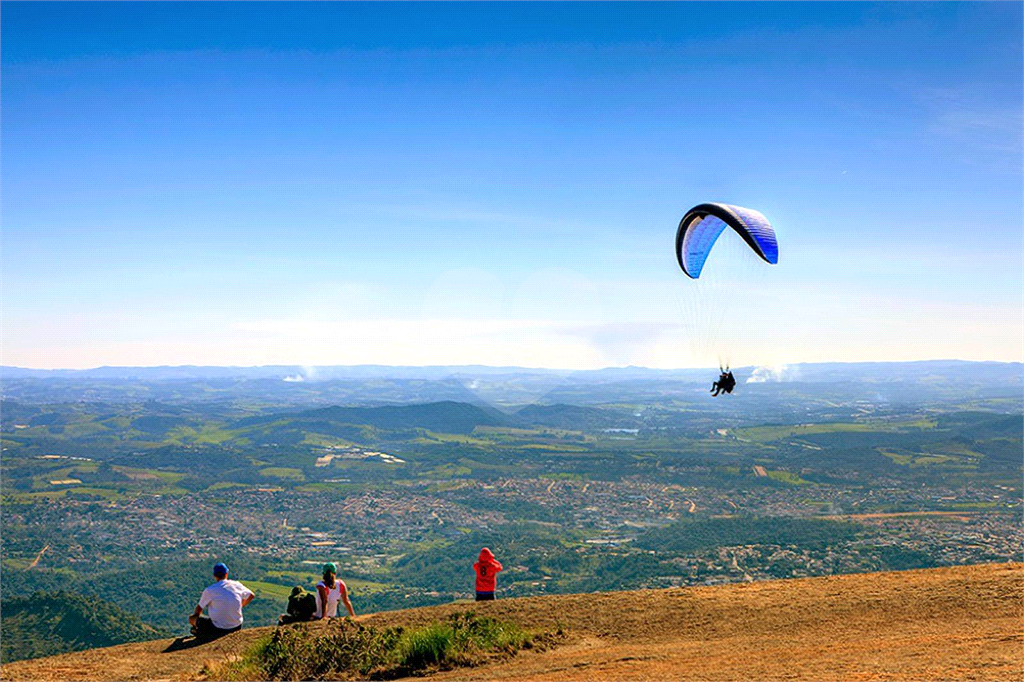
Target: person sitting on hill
487, 569
224, 601
301, 607
329, 592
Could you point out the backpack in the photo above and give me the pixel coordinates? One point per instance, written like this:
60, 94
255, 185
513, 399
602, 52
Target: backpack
301, 604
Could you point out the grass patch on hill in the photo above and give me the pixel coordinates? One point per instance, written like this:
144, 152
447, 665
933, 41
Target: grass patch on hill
767, 434
787, 477
283, 473
272, 590
346, 650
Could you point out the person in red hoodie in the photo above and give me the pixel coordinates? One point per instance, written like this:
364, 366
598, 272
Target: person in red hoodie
487, 569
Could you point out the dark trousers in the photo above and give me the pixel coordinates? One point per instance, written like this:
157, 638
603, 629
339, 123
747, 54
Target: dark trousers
205, 629
286, 618
485, 596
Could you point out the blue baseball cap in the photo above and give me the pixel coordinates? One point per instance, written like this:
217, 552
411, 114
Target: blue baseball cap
220, 570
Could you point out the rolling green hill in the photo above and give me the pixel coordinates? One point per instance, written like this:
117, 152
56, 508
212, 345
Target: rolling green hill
445, 416
56, 622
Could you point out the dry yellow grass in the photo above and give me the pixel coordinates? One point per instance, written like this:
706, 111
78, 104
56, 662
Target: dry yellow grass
959, 623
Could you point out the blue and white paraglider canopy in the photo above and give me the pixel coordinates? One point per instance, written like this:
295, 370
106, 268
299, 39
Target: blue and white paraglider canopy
702, 225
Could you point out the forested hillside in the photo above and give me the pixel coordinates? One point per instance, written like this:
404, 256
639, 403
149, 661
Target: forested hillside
44, 624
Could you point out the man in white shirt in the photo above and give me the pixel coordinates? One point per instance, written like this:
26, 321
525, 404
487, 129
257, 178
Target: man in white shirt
223, 601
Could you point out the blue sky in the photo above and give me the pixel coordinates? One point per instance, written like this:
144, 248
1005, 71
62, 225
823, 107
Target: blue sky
500, 184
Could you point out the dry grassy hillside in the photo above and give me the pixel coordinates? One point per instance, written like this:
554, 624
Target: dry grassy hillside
960, 623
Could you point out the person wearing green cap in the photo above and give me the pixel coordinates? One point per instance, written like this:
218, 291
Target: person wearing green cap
329, 592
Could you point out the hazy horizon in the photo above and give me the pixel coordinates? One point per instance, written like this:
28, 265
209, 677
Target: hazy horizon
312, 369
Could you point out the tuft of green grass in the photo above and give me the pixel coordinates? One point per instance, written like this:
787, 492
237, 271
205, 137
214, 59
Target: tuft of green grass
427, 646
347, 650
463, 640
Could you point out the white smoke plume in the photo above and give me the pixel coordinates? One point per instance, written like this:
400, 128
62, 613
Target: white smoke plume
295, 377
768, 373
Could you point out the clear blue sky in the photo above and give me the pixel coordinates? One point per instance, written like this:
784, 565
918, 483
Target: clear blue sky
500, 184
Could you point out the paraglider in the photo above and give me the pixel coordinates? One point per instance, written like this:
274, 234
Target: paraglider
698, 233
702, 225
726, 382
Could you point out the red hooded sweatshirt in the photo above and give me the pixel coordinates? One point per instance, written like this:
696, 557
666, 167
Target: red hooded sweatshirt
487, 569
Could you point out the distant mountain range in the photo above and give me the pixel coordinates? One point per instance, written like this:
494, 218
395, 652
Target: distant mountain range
828, 371
776, 391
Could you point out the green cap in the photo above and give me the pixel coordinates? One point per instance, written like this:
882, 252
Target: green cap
330, 568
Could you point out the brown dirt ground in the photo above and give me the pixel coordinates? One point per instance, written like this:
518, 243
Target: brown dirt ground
960, 623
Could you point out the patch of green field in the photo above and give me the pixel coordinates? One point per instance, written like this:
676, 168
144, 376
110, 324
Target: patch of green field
454, 438
42, 481
506, 431
283, 473
150, 474
119, 423
787, 477
896, 457
918, 459
451, 471
272, 590
934, 459
445, 486
916, 424
974, 506
208, 434
772, 433
21, 498
557, 447
106, 493
321, 486
84, 429
17, 564
961, 450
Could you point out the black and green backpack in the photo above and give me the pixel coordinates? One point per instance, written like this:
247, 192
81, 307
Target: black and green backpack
301, 604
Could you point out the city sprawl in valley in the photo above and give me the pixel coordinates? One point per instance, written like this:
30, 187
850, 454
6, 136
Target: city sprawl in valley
581, 482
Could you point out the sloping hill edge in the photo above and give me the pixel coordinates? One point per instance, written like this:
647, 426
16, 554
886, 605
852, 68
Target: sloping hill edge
952, 623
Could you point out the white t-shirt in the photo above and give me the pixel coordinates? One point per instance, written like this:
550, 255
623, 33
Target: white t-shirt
223, 601
333, 597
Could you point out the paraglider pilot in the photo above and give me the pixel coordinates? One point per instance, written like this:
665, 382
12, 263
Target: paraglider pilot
726, 382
